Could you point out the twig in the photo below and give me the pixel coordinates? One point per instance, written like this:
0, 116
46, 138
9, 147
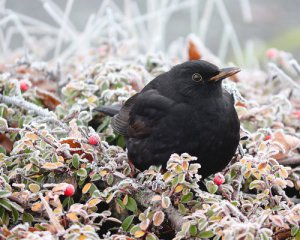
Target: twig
144, 198
26, 105
284, 76
10, 130
235, 211
53, 219
53, 144
237, 186
290, 161
17, 156
13, 130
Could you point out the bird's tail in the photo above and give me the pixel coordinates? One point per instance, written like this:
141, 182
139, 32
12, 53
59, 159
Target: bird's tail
111, 110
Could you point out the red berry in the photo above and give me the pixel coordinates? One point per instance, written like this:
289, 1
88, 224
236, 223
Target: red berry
267, 137
69, 190
24, 85
296, 114
219, 179
272, 53
94, 139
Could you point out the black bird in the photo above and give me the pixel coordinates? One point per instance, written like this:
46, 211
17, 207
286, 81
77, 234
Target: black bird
183, 110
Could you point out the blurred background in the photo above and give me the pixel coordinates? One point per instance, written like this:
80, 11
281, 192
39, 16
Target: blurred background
234, 30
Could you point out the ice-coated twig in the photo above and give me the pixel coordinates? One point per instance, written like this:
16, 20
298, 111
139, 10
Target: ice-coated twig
53, 219
246, 10
27, 105
63, 26
295, 65
48, 5
283, 75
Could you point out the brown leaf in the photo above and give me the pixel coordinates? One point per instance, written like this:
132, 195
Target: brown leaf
194, 53
288, 142
86, 188
158, 218
139, 233
49, 100
72, 216
6, 143
79, 150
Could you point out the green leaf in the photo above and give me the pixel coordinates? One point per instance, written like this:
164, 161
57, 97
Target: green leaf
258, 184
193, 230
16, 206
134, 229
187, 197
3, 122
121, 141
4, 193
96, 194
27, 217
297, 237
120, 203
15, 215
82, 172
206, 234
2, 150
110, 179
294, 230
131, 205
127, 222
75, 161
182, 209
5, 219
151, 236
96, 177
4, 203
68, 202
211, 187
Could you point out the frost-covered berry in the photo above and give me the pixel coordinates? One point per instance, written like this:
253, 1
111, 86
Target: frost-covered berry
272, 53
267, 137
219, 179
94, 139
24, 85
70, 190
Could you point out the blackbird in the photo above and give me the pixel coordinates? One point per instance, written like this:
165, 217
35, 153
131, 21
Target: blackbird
183, 110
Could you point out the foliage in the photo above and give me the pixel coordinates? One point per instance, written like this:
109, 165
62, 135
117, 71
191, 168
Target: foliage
45, 147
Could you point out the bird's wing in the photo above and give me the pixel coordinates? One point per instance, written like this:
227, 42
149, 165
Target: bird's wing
120, 121
140, 113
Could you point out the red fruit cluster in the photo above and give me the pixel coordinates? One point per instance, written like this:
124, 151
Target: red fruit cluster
219, 179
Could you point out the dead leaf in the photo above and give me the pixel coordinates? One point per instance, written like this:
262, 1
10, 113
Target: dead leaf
73, 143
93, 202
6, 143
288, 142
86, 188
72, 216
48, 99
52, 166
193, 51
158, 218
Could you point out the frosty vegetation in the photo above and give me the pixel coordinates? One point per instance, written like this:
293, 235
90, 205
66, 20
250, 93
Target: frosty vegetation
45, 147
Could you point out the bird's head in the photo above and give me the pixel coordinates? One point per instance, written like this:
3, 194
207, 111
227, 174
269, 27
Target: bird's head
200, 75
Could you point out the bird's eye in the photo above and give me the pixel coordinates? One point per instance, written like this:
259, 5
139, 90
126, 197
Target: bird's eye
197, 77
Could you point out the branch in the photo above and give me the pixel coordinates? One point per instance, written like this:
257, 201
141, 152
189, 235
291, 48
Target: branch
26, 105
144, 199
60, 229
290, 161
